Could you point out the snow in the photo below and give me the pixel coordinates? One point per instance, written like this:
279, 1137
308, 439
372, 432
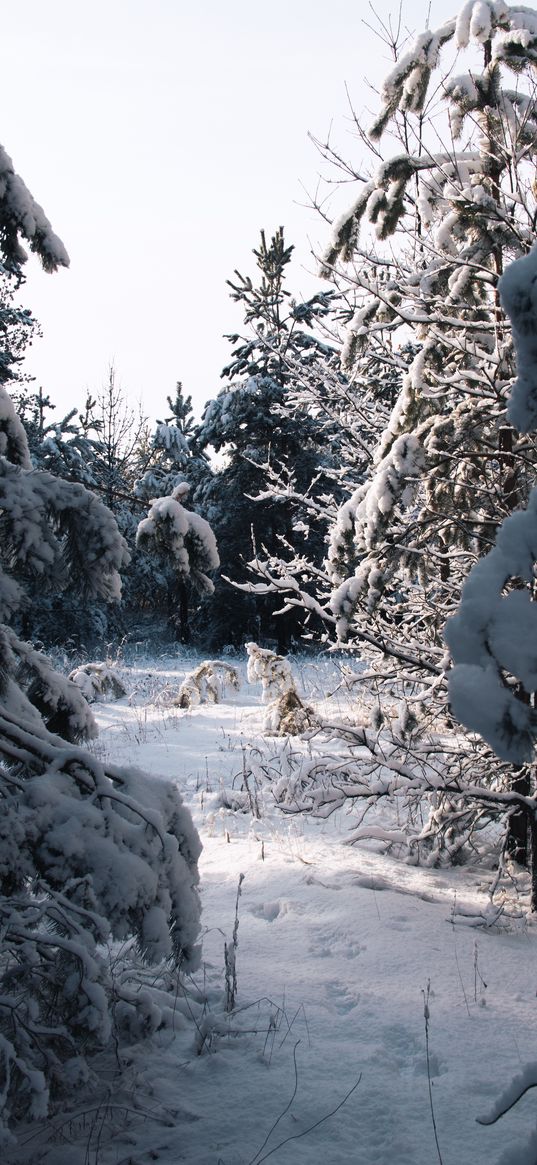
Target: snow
336, 948
492, 633
481, 22
518, 292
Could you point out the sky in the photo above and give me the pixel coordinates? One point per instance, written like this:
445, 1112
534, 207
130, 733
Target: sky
160, 137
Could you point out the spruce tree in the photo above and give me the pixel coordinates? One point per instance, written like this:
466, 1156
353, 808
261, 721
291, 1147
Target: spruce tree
185, 550
250, 423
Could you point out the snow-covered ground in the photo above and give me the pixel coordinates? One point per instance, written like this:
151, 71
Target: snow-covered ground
325, 1056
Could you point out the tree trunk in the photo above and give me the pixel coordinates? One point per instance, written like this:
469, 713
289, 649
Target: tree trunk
183, 628
178, 614
518, 826
532, 857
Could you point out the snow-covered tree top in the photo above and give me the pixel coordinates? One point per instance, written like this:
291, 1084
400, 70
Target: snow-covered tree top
510, 33
170, 438
182, 535
237, 410
476, 100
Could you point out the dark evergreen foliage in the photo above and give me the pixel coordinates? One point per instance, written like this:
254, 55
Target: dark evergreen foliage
250, 424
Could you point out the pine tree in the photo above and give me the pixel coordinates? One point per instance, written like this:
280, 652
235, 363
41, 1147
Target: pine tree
175, 457
151, 585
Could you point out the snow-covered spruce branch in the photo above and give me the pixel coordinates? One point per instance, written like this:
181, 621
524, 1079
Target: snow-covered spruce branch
20, 214
51, 525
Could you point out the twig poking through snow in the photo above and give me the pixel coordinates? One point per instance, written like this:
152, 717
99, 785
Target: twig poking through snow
427, 1015
257, 1160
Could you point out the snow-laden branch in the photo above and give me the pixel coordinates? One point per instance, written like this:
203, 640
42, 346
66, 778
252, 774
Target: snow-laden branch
20, 214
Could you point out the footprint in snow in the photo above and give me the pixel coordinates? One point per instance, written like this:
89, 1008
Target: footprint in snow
270, 911
403, 1049
398, 922
340, 997
327, 943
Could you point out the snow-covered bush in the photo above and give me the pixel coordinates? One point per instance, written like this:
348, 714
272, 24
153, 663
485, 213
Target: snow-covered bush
87, 854
272, 671
207, 684
286, 714
98, 681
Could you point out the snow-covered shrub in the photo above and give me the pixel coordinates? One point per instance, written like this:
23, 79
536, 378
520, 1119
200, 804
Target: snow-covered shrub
272, 671
207, 684
98, 681
286, 714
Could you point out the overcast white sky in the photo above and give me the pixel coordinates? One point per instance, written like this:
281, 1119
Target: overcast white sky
160, 136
